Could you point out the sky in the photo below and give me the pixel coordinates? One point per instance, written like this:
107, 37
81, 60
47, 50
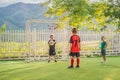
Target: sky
4, 3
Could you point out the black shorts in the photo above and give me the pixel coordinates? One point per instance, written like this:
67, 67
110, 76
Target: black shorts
76, 54
103, 52
52, 52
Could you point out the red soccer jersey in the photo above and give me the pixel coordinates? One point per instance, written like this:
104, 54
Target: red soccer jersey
75, 41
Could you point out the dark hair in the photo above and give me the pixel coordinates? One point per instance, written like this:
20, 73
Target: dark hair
103, 37
74, 30
51, 35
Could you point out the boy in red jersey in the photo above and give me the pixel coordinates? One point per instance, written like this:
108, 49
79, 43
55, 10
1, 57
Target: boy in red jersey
75, 48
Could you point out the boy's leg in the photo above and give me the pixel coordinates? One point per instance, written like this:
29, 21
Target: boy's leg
71, 62
55, 58
103, 53
104, 58
78, 61
48, 58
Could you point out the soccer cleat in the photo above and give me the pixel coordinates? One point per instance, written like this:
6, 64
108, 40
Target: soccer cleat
103, 62
70, 67
55, 60
77, 66
48, 61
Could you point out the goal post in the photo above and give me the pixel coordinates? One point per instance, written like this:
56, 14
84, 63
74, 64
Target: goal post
38, 32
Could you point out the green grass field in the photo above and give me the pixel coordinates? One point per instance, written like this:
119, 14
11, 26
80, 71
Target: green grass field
91, 69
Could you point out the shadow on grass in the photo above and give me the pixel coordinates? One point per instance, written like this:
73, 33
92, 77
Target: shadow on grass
15, 69
110, 66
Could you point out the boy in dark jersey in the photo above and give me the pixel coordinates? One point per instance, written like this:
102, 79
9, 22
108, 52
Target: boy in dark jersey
103, 48
74, 48
51, 44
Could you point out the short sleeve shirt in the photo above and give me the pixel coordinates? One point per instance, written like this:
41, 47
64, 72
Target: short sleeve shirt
75, 41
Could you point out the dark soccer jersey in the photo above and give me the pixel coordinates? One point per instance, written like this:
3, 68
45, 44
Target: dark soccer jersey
75, 41
51, 44
103, 45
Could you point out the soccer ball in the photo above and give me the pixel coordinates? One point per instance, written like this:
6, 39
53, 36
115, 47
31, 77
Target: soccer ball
51, 43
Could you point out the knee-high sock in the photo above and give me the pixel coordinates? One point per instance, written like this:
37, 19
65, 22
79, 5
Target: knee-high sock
72, 62
78, 61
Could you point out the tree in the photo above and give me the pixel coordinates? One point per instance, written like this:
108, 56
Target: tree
113, 12
97, 20
80, 13
3, 28
76, 12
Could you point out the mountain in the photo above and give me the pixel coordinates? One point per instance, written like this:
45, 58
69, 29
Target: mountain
16, 15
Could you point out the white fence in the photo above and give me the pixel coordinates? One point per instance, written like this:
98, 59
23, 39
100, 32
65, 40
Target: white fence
14, 43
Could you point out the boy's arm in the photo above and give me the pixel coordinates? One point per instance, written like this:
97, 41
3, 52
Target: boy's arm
70, 43
48, 42
79, 43
106, 45
54, 41
80, 46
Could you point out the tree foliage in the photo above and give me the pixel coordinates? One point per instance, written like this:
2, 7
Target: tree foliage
3, 28
74, 11
97, 20
113, 12
81, 13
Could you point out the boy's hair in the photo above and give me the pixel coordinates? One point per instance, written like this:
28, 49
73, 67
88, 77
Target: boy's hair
103, 37
51, 36
74, 30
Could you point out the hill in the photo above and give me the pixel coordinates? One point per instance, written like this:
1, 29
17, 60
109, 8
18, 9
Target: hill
16, 15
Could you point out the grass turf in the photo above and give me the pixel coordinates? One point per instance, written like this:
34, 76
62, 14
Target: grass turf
91, 69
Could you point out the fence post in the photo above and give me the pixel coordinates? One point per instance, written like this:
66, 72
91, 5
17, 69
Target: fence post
34, 42
28, 39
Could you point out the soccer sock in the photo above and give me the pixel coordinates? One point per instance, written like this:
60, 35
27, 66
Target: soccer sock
72, 62
78, 62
